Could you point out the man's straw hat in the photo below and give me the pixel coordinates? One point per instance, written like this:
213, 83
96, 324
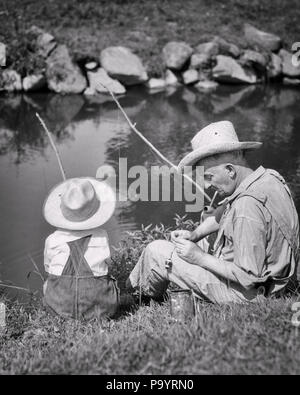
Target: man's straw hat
79, 204
216, 138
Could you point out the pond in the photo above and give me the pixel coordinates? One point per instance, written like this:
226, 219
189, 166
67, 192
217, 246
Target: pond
90, 132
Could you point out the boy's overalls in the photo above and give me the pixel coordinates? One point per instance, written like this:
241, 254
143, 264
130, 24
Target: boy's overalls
77, 293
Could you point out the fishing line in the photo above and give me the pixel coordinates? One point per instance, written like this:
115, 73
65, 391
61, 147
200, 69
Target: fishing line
18, 257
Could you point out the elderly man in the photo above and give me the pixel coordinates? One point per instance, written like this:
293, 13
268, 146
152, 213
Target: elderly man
256, 250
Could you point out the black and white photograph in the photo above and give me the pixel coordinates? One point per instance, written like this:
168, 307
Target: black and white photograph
149, 190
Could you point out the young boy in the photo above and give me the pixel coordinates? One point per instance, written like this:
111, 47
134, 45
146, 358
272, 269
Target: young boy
78, 284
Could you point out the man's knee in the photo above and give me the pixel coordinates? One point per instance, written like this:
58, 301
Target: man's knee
160, 248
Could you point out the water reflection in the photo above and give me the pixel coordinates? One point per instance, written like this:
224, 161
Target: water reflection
91, 131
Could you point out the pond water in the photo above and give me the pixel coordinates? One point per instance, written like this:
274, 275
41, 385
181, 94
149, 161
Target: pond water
91, 131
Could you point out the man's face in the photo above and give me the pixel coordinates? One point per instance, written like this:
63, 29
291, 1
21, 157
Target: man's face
219, 177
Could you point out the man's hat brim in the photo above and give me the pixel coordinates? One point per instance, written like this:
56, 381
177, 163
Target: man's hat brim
214, 149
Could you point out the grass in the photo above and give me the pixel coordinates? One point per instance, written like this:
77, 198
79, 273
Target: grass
144, 26
249, 339
256, 338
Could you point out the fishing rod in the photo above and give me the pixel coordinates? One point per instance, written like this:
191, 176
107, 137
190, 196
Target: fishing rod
53, 146
133, 127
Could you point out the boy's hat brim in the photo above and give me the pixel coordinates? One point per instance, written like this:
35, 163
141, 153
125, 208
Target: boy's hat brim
54, 216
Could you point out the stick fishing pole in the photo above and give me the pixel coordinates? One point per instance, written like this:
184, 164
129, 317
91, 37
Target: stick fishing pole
133, 127
53, 146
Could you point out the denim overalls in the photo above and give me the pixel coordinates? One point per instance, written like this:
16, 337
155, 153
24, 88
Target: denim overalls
77, 293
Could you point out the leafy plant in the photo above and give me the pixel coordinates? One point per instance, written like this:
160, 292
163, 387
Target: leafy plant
130, 249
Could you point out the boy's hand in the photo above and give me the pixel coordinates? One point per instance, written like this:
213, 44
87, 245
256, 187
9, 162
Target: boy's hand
180, 234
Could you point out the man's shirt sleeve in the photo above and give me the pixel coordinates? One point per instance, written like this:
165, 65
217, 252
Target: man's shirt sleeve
249, 242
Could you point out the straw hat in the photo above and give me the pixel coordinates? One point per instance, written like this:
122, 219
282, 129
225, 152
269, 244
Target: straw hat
79, 204
216, 138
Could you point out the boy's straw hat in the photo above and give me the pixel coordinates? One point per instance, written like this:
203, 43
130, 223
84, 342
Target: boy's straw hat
216, 138
79, 204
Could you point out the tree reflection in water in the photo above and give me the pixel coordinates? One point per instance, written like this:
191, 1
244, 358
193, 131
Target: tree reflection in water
91, 131
21, 134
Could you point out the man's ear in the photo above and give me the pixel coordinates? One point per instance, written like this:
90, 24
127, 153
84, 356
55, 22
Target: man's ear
231, 170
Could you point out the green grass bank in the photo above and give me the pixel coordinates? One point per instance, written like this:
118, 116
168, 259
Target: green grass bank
256, 338
248, 339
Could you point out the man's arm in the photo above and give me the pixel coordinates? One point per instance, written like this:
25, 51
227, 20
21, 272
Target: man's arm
209, 225
249, 248
193, 254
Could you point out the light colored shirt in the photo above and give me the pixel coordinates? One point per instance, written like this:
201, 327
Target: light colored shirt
250, 240
57, 250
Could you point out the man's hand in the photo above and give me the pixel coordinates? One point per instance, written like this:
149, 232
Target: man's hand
188, 251
180, 234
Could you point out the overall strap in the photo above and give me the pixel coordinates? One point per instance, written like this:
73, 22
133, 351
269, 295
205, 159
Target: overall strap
77, 264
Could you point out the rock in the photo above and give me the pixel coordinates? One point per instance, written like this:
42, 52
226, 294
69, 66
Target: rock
176, 54
189, 96
2, 55
122, 64
291, 81
156, 83
170, 78
258, 38
288, 68
223, 103
61, 110
91, 66
190, 76
34, 82
226, 48
274, 69
228, 70
10, 81
211, 49
207, 85
100, 76
45, 42
89, 91
205, 75
200, 60
92, 98
254, 58
63, 75
171, 89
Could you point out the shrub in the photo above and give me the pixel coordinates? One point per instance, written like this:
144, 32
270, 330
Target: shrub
127, 254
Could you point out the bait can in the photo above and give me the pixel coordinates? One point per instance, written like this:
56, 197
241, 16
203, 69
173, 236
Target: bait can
182, 305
